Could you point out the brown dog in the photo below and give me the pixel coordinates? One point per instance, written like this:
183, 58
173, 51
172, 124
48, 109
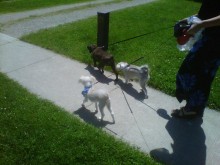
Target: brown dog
103, 58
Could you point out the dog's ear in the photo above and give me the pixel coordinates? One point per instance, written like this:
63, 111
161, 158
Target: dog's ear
123, 65
93, 47
118, 66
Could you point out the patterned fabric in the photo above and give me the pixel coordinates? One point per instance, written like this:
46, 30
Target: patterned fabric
196, 74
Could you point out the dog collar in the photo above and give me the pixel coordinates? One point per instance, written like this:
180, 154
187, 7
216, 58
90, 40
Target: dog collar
86, 90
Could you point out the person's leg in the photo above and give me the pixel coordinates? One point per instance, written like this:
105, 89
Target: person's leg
198, 97
195, 76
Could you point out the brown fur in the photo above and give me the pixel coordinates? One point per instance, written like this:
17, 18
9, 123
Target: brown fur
103, 59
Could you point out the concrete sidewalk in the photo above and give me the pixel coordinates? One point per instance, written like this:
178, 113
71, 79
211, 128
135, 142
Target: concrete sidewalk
145, 123
23, 23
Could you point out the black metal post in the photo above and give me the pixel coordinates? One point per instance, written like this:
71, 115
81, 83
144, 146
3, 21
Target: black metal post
103, 29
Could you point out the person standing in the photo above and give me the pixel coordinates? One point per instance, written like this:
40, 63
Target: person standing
198, 70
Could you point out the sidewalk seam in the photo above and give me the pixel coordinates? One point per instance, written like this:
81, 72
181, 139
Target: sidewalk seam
45, 59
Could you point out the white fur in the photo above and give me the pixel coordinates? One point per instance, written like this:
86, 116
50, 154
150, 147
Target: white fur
99, 96
140, 73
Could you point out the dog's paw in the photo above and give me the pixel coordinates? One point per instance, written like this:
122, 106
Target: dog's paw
100, 118
101, 71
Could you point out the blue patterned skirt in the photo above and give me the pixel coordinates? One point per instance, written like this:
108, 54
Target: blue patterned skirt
197, 72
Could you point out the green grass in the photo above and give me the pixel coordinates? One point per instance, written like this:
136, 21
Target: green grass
34, 131
158, 48
7, 6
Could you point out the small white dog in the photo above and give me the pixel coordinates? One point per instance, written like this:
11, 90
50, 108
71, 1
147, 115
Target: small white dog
99, 96
140, 73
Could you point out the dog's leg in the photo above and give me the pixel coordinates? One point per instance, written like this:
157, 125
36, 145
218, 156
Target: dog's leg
108, 104
143, 86
96, 107
94, 62
101, 68
126, 79
84, 101
101, 108
114, 70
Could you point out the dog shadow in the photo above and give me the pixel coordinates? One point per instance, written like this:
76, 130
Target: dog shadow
188, 141
98, 75
89, 117
128, 88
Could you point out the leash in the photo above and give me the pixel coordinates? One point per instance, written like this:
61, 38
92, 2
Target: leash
134, 118
131, 111
135, 61
145, 34
152, 32
130, 63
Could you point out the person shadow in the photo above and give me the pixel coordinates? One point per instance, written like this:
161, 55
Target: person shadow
90, 118
189, 142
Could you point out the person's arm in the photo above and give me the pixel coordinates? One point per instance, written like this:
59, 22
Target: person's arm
215, 21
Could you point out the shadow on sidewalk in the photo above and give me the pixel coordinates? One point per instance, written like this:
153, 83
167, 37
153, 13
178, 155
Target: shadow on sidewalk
89, 117
101, 78
189, 142
128, 88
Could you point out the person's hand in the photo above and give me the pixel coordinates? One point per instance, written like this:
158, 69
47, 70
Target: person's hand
194, 28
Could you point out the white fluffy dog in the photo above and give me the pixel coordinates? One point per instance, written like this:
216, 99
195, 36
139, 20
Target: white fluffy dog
140, 73
99, 96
